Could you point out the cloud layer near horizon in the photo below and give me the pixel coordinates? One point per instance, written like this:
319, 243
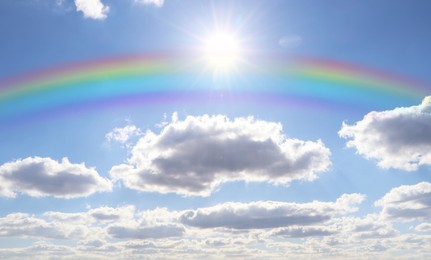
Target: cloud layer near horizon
194, 156
227, 230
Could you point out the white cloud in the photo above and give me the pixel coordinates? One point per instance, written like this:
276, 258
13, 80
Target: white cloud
160, 231
93, 9
423, 227
94, 224
299, 232
407, 202
38, 177
371, 226
269, 214
123, 134
109, 214
103, 215
25, 225
399, 138
157, 3
261, 229
192, 157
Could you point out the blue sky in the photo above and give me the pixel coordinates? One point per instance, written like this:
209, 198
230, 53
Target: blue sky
241, 161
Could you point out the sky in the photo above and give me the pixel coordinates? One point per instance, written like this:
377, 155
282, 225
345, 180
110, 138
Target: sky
168, 129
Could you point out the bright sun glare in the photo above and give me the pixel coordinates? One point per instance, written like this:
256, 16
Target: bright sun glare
222, 51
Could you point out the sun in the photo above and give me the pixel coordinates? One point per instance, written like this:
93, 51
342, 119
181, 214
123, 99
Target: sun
222, 51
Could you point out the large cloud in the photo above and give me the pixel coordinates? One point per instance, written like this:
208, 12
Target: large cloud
193, 156
93, 9
407, 202
399, 138
269, 214
36, 176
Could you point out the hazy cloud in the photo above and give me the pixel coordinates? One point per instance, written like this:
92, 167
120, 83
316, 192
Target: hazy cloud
299, 232
371, 226
36, 176
423, 227
161, 231
194, 156
407, 202
290, 41
93, 9
157, 3
269, 214
399, 138
25, 225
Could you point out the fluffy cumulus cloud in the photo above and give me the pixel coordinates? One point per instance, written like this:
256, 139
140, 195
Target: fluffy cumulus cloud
193, 156
93, 9
399, 138
123, 134
407, 202
269, 214
157, 3
36, 176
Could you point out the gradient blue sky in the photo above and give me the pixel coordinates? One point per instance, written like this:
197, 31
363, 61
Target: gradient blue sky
371, 199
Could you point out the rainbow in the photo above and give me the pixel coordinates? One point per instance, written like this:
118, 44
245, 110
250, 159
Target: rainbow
142, 79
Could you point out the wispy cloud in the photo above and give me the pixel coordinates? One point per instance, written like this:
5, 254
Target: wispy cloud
93, 9
123, 134
194, 156
290, 41
399, 138
157, 3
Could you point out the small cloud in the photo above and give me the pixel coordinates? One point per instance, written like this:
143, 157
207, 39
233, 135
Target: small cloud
407, 202
123, 134
93, 9
290, 41
423, 227
157, 3
399, 138
39, 177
